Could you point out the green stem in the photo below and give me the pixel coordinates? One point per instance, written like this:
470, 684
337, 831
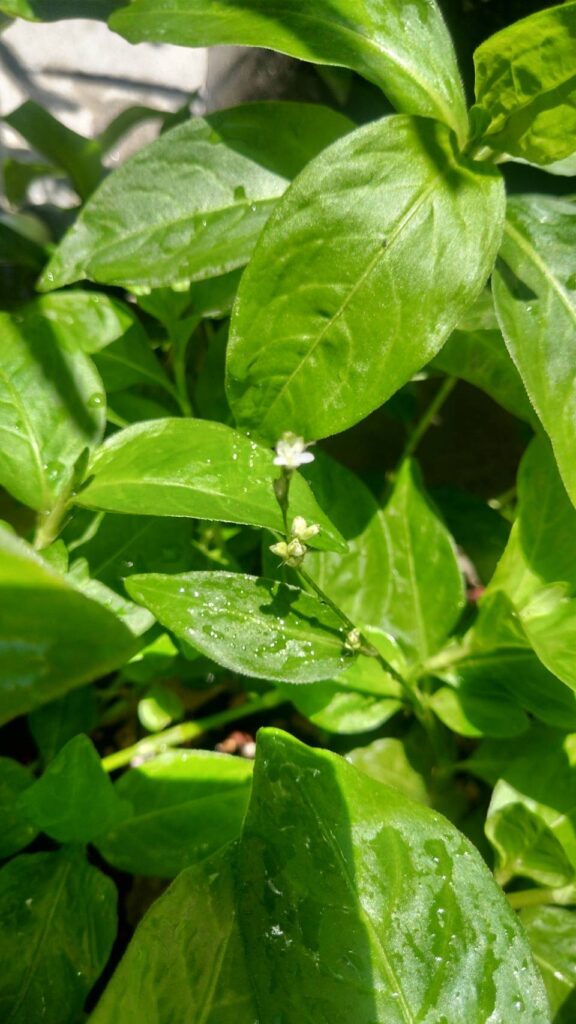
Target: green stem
50, 523
531, 898
187, 731
429, 416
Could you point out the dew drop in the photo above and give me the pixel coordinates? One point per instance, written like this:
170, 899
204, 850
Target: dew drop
95, 401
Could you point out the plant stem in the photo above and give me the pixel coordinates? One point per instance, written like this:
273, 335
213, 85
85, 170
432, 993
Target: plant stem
49, 523
531, 898
428, 418
187, 731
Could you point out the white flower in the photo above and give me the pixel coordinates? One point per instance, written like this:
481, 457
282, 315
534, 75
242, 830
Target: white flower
291, 452
292, 553
353, 640
301, 530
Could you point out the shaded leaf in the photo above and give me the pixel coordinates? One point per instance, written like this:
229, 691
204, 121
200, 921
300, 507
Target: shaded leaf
552, 935
16, 832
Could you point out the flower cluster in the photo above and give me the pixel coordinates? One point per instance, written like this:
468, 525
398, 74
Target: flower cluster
293, 550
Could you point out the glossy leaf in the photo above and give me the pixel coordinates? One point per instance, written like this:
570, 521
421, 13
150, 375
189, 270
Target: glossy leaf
413, 229
186, 961
525, 81
214, 182
16, 831
74, 800
61, 912
354, 579
52, 638
423, 584
353, 903
403, 48
176, 467
481, 358
535, 300
548, 793
481, 709
362, 698
248, 624
552, 935
526, 845
52, 408
388, 760
186, 805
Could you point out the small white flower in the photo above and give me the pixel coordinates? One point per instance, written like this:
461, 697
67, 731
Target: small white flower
291, 452
291, 553
301, 530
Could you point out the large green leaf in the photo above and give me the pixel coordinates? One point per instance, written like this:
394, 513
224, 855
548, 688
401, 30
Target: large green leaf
197, 469
248, 624
402, 46
17, 832
192, 204
353, 904
74, 799
52, 407
423, 584
526, 82
533, 287
552, 935
52, 638
58, 918
186, 805
361, 274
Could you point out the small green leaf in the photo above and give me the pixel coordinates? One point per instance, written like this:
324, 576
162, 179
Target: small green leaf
58, 917
16, 832
388, 760
74, 800
343, 901
159, 708
299, 329
251, 625
186, 805
214, 182
176, 467
479, 709
535, 300
552, 935
53, 407
525, 844
403, 48
52, 638
423, 584
526, 82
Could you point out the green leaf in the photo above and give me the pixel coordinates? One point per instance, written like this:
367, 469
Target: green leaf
59, 922
526, 82
548, 793
17, 832
176, 467
18, 175
354, 579
552, 935
78, 156
403, 48
352, 903
476, 527
74, 800
388, 760
251, 625
214, 182
52, 408
413, 229
525, 844
186, 805
362, 698
481, 358
534, 293
59, 721
52, 639
53, 10
423, 584
479, 708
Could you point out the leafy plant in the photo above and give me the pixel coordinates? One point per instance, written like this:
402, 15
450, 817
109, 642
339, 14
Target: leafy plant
179, 555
